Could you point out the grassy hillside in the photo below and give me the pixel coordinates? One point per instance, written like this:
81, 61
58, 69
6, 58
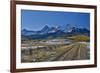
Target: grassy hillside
80, 38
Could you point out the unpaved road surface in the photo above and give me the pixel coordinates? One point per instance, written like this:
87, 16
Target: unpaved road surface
74, 52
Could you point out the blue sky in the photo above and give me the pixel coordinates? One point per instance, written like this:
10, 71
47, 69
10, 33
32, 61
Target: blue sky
36, 20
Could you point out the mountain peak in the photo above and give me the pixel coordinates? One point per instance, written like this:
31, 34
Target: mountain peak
45, 29
46, 26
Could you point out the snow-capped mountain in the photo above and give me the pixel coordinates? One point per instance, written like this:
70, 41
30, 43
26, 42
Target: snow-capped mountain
45, 29
67, 29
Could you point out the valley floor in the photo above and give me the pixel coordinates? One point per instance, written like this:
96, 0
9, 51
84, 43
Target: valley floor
55, 52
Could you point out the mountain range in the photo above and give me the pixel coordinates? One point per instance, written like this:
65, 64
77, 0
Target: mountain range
53, 32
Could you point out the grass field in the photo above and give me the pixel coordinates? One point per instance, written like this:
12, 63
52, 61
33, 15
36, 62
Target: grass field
80, 38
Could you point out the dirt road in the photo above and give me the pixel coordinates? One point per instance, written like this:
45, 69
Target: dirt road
75, 52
